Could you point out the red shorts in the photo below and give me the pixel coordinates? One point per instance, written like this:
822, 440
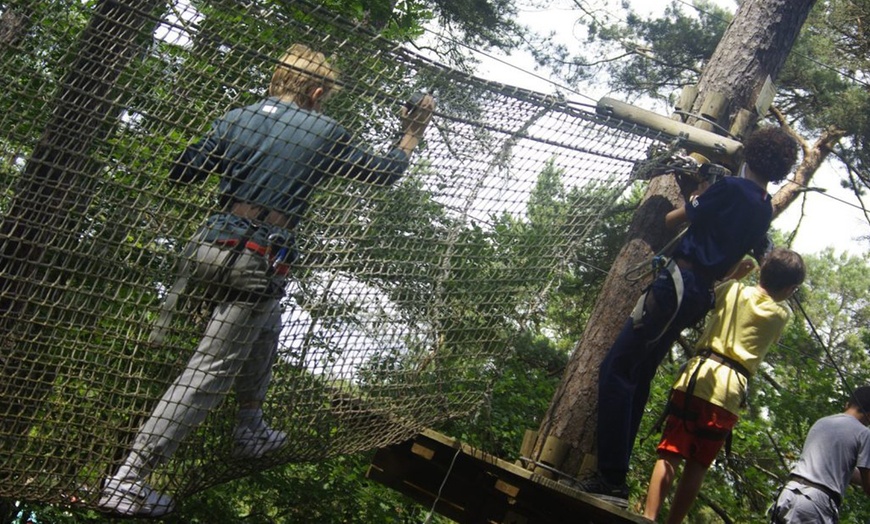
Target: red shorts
700, 436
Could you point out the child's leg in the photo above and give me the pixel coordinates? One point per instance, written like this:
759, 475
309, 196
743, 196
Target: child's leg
256, 373
660, 483
687, 490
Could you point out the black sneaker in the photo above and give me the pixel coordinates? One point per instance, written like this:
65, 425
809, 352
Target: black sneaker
596, 485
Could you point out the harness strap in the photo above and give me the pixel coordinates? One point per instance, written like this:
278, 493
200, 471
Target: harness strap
724, 359
170, 303
679, 288
659, 260
687, 415
821, 487
278, 266
160, 329
707, 353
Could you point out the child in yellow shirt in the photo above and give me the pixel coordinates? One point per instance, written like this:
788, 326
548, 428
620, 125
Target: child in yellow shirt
745, 322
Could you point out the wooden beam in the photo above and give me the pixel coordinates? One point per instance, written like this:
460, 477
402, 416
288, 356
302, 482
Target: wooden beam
472, 487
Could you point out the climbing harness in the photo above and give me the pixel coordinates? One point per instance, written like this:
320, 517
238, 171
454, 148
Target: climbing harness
658, 262
277, 265
685, 412
640, 307
666, 160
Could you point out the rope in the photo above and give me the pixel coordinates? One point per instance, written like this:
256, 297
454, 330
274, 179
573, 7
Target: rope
654, 264
441, 487
795, 301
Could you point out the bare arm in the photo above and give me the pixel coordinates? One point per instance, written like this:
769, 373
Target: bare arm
861, 477
414, 123
741, 269
675, 218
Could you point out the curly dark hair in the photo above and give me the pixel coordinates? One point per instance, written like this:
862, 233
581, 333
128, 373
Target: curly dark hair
771, 153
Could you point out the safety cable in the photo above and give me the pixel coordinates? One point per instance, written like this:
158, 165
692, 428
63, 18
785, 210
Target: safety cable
441, 488
494, 58
656, 263
795, 301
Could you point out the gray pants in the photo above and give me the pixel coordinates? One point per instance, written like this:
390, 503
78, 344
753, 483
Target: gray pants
800, 504
236, 352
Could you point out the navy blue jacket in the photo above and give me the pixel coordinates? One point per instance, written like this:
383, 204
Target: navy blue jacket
728, 220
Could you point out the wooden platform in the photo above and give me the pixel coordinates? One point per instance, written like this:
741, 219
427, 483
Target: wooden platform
477, 488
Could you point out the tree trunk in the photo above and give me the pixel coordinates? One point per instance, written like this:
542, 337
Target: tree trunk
572, 414
39, 232
15, 22
754, 46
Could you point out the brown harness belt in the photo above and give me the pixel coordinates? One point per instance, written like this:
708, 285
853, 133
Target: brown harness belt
722, 359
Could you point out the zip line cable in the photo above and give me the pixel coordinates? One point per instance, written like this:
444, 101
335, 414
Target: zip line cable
827, 195
821, 362
504, 62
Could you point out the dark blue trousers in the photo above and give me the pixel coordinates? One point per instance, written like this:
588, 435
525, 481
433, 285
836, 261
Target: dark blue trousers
628, 369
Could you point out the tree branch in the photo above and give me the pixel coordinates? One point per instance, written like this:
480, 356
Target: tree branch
770, 380
717, 509
854, 184
813, 156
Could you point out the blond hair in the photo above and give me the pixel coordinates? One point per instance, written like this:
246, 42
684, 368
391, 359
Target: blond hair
300, 71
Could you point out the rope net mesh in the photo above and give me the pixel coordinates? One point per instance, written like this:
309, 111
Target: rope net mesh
395, 314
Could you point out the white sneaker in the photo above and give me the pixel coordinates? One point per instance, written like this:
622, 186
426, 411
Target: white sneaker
134, 499
256, 442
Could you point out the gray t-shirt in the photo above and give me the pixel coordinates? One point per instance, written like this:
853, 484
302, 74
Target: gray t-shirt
834, 447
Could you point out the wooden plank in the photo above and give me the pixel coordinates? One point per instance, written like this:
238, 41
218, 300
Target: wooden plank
472, 487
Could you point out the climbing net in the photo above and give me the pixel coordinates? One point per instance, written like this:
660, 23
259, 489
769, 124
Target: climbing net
401, 304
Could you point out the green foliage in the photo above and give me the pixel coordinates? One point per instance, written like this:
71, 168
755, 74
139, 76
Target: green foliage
648, 56
678, 44
135, 224
522, 389
478, 24
499, 284
330, 491
521, 386
572, 301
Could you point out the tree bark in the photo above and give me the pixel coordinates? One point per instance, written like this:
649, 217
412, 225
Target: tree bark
572, 414
754, 46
